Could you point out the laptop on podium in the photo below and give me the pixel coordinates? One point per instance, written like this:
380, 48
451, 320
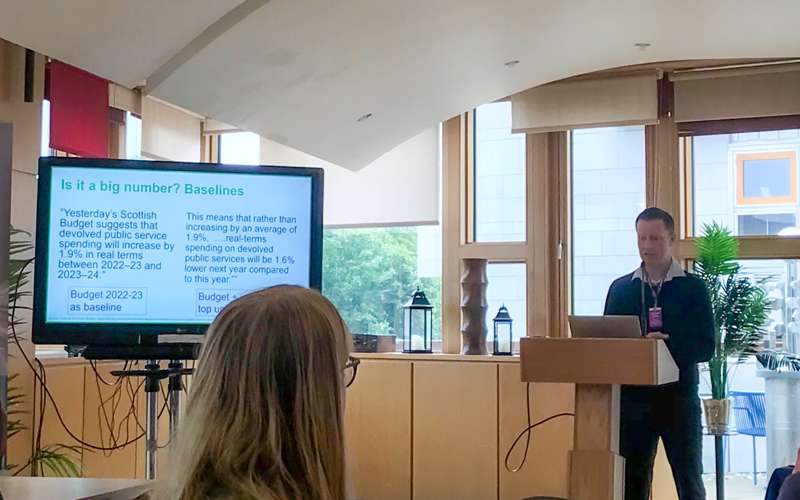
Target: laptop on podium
605, 327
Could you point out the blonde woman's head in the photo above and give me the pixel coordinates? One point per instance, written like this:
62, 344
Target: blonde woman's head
265, 413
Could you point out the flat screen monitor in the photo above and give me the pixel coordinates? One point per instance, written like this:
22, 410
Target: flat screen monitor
127, 251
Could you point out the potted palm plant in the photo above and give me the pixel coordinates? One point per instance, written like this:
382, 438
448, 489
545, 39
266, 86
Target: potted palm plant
740, 309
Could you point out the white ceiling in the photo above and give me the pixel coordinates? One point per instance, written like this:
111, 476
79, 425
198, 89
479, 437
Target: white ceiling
301, 72
123, 41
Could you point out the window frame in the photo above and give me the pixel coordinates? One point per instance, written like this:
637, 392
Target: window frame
547, 249
761, 247
544, 251
740, 158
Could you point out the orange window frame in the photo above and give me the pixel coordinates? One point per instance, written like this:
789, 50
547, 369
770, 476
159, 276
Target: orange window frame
772, 200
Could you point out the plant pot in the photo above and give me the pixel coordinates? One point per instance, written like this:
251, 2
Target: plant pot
718, 415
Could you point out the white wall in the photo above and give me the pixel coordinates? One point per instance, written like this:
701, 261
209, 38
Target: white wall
401, 187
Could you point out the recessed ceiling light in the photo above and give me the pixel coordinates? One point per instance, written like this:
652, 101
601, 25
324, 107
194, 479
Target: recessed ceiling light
364, 117
642, 46
511, 64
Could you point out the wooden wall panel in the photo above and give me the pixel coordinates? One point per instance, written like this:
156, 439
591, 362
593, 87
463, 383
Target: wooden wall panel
545, 470
453, 230
455, 430
548, 211
26, 120
169, 133
663, 484
119, 463
66, 384
378, 429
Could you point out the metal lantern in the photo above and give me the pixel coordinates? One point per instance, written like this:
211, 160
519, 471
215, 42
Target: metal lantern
503, 337
418, 324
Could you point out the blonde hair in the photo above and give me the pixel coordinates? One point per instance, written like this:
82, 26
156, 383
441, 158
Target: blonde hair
264, 418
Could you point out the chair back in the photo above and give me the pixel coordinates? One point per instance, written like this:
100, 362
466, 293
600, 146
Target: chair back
750, 411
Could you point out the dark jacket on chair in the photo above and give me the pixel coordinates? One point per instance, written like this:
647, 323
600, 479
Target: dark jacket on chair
791, 488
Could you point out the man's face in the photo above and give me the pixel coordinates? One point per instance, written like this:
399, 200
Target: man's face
655, 242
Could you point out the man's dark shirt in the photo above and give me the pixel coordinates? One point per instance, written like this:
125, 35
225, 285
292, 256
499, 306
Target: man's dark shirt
686, 315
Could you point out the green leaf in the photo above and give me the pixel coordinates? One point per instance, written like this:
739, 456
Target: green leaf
717, 250
56, 459
740, 309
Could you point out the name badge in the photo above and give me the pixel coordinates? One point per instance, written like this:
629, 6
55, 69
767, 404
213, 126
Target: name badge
655, 319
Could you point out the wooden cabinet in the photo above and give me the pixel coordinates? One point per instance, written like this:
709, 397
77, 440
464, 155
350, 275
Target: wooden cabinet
545, 469
378, 428
421, 427
455, 430
78, 394
440, 427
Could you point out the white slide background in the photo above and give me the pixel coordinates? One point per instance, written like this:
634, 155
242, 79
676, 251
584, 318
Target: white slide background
145, 246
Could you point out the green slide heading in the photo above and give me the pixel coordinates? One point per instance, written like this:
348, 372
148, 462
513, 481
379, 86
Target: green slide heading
155, 188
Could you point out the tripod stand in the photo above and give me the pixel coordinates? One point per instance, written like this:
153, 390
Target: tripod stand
153, 375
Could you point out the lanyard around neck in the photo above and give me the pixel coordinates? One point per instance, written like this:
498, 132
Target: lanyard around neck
655, 288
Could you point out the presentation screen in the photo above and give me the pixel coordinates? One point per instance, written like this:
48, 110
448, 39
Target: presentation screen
131, 249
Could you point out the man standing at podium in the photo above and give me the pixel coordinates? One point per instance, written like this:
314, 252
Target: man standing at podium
674, 306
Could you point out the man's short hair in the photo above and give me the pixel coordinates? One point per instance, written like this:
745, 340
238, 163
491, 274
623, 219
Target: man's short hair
655, 213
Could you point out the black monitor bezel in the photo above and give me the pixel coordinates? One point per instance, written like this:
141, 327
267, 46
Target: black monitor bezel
120, 334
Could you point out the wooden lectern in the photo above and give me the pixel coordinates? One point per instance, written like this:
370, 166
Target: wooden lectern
597, 367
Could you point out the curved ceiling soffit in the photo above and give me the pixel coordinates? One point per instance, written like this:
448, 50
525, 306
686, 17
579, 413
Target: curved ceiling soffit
342, 145
203, 40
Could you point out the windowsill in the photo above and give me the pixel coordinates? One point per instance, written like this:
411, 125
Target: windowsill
399, 356
51, 353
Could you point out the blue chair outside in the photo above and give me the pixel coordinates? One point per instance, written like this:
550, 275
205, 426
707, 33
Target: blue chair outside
750, 412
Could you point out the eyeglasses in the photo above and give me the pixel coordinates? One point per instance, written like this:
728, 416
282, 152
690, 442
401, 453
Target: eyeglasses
350, 370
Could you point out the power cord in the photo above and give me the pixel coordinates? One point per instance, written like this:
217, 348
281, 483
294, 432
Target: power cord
42, 381
93, 364
528, 430
115, 400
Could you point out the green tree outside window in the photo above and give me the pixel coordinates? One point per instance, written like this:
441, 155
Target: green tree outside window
369, 274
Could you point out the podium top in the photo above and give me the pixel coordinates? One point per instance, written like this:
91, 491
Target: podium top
597, 361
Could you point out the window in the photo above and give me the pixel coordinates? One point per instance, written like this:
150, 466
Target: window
499, 176
507, 286
240, 148
133, 137
45, 146
746, 182
781, 281
608, 192
369, 274
770, 224
766, 178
